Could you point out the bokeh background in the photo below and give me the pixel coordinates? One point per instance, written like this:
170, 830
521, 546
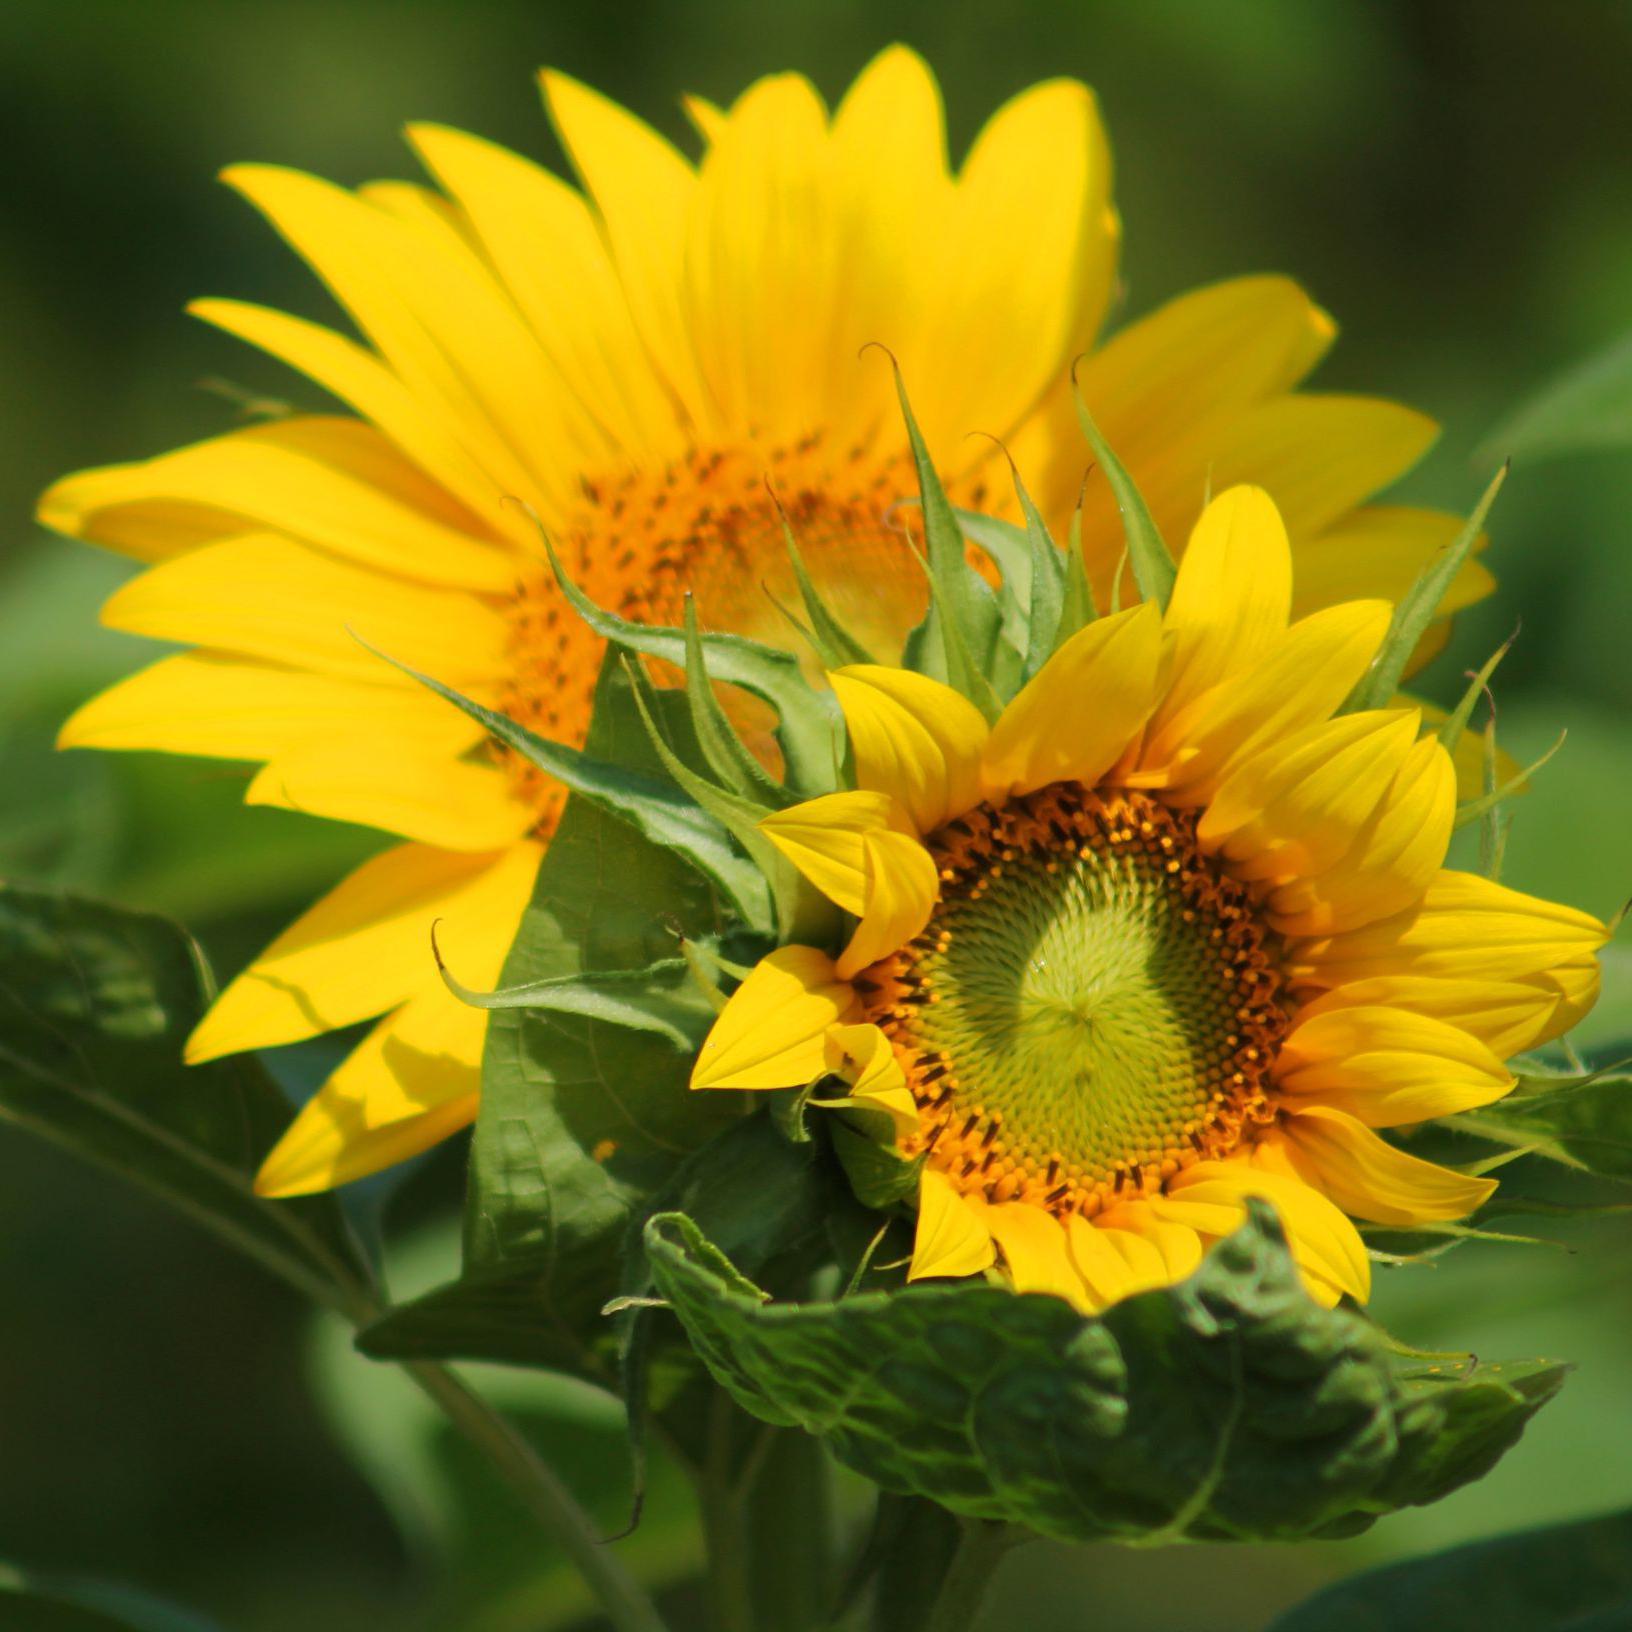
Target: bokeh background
1454, 181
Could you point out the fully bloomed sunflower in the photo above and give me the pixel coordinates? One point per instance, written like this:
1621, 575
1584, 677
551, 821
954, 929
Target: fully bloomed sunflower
640, 366
1170, 932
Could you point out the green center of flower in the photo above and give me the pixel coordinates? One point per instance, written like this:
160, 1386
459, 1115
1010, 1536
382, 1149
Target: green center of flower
1091, 1007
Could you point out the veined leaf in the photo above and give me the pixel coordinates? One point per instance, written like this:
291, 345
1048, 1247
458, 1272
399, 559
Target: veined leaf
1228, 1407
95, 1005
580, 1119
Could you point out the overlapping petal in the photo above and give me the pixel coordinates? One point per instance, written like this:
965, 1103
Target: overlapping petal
1077, 716
773, 1030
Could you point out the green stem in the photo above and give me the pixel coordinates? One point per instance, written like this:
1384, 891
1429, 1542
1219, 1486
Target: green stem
725, 1529
964, 1590
627, 1606
790, 1521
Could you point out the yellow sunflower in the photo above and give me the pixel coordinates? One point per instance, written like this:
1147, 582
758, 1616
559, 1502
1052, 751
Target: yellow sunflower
1167, 934
639, 365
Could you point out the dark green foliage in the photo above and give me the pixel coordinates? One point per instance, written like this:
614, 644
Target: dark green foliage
95, 1006
1228, 1407
1569, 1578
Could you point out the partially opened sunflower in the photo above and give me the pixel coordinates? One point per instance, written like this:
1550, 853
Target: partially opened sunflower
639, 367
1172, 931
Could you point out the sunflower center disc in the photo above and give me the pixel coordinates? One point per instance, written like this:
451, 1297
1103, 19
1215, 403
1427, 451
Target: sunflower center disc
1091, 1007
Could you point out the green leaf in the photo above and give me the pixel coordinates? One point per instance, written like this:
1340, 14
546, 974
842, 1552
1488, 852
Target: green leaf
808, 729
1566, 1578
661, 811
1590, 406
1153, 568
95, 1005
786, 900
1419, 607
834, 644
727, 757
963, 609
662, 997
1586, 1124
1228, 1407
580, 1119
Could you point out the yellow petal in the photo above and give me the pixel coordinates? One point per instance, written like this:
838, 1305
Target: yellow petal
264, 595
1386, 1066
1300, 681
1465, 927
222, 708
914, 739
1105, 1273
824, 839
571, 297
1025, 267
1162, 388
1074, 720
1177, 1246
762, 277
773, 1031
862, 1055
859, 849
1325, 1244
643, 191
1392, 860
952, 1238
1297, 807
1231, 597
893, 216
357, 377
366, 946
334, 484
1320, 455
1508, 1016
413, 1081
1034, 1251
1372, 1179
1378, 550
454, 804
902, 888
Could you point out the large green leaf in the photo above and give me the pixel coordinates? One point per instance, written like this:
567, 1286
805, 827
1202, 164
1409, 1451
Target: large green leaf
1567, 1578
95, 1005
1228, 1407
1590, 406
581, 1118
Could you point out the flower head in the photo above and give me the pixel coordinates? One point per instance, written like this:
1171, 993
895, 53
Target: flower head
640, 366
1171, 931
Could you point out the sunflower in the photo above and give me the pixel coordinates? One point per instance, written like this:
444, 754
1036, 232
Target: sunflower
646, 368
1170, 932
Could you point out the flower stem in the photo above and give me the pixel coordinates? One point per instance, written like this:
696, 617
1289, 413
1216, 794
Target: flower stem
627, 1606
964, 1589
725, 1527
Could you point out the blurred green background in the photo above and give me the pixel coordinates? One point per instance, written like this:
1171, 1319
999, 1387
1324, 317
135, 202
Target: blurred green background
1453, 181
